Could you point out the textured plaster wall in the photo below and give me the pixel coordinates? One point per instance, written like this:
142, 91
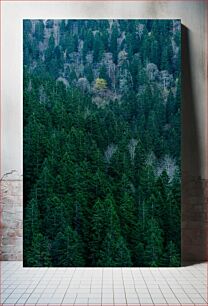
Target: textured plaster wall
194, 127
11, 220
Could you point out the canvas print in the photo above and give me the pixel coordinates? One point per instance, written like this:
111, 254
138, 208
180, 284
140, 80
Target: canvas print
102, 180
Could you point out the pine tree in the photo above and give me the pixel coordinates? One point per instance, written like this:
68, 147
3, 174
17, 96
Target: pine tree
114, 253
98, 48
45, 183
154, 244
39, 255
32, 225
54, 216
171, 257
127, 213
160, 201
89, 73
114, 43
103, 74
39, 30
98, 231
68, 249
34, 150
105, 38
174, 211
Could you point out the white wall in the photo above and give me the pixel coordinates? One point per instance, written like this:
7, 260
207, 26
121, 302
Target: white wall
191, 13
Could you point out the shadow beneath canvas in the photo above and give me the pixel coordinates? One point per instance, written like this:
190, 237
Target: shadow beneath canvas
193, 226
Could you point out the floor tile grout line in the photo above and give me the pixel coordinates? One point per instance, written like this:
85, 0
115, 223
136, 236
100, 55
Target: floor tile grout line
181, 287
8, 296
146, 286
184, 290
135, 286
197, 289
158, 284
90, 287
36, 284
113, 287
69, 285
102, 287
170, 289
123, 284
78, 287
124, 277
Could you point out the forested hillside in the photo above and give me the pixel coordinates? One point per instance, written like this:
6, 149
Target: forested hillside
101, 142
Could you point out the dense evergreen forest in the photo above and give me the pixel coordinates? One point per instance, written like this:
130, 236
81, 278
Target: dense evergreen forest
102, 143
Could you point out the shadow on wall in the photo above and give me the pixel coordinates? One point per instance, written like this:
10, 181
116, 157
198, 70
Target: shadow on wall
194, 231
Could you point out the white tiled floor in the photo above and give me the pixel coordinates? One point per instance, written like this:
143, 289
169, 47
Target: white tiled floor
103, 286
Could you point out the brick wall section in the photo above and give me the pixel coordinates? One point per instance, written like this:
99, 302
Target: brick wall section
11, 220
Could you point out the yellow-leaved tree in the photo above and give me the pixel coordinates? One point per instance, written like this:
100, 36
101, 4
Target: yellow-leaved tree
100, 84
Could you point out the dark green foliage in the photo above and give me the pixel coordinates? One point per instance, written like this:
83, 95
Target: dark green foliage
31, 223
154, 244
103, 74
89, 73
39, 31
38, 255
98, 48
114, 43
114, 253
98, 229
67, 249
101, 183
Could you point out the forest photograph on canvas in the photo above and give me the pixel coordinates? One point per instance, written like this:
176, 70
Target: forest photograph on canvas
102, 133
